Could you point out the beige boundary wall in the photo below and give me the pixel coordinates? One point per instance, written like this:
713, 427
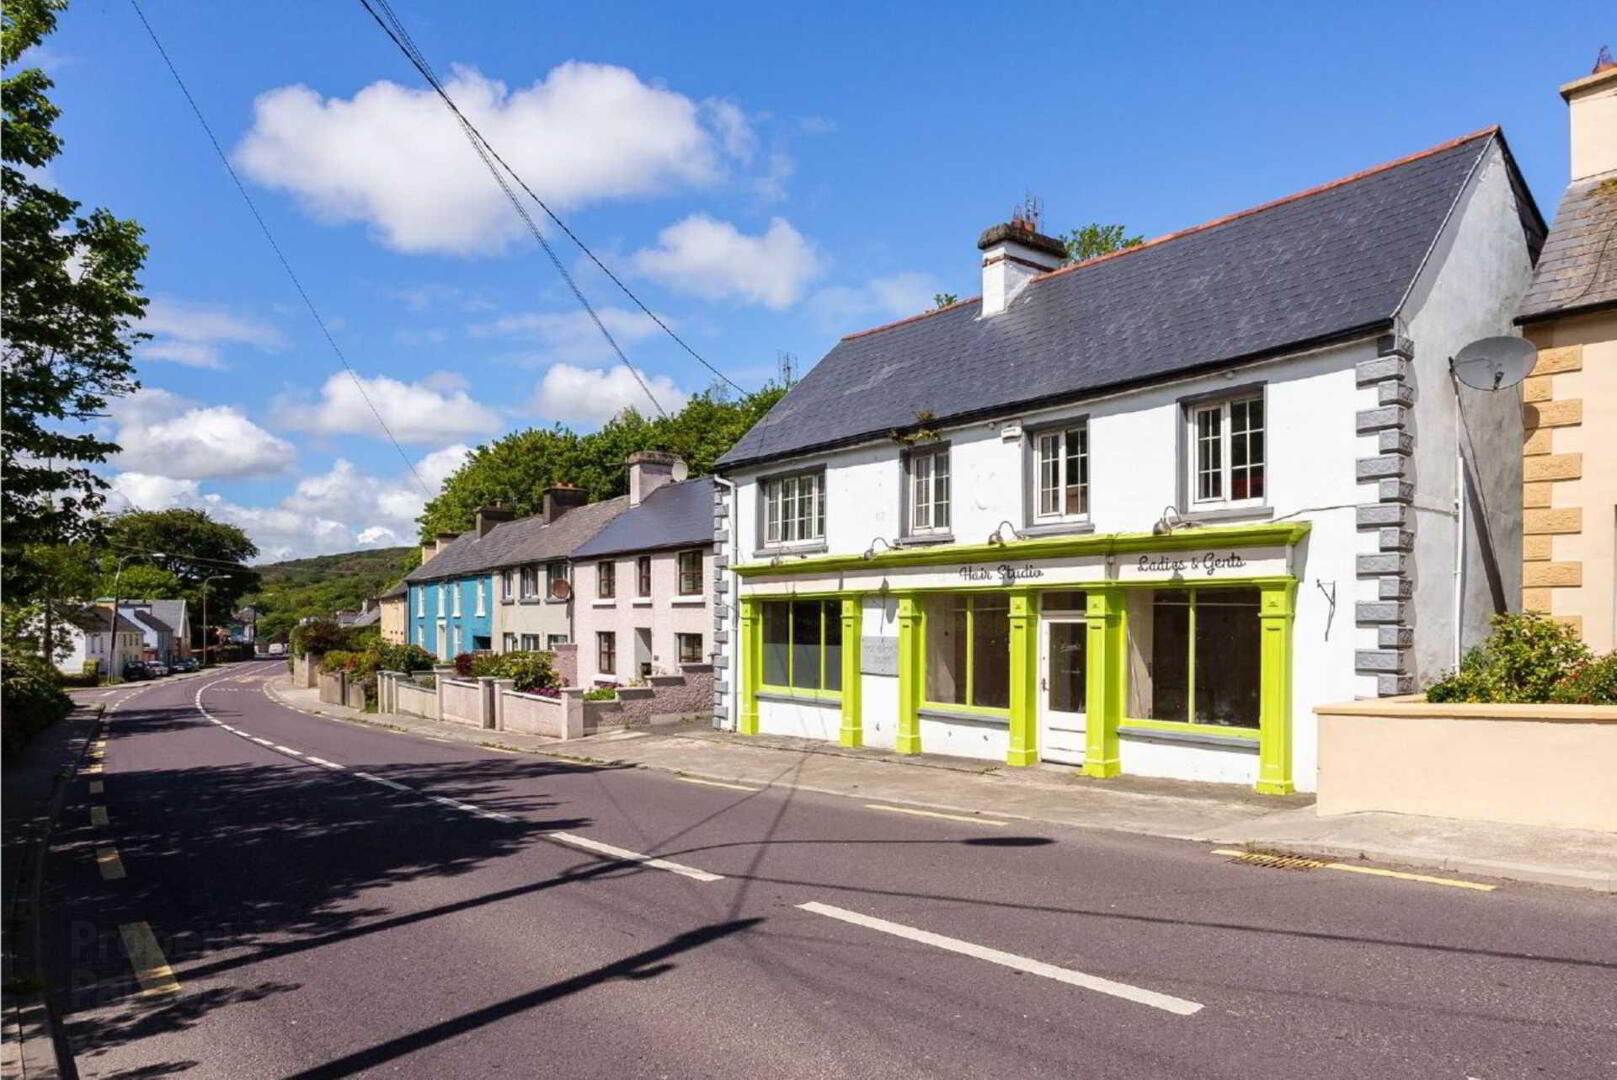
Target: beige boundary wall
1553, 765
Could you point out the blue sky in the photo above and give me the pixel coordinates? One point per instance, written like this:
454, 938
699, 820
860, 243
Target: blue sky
767, 177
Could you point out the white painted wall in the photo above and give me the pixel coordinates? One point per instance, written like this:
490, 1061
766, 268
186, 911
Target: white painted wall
665, 613
804, 719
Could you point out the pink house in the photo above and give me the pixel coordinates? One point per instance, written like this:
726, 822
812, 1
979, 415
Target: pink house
641, 605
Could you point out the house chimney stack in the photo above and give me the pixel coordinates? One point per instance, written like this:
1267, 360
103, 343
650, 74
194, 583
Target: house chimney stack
428, 550
1013, 255
490, 516
562, 498
445, 539
650, 470
1592, 113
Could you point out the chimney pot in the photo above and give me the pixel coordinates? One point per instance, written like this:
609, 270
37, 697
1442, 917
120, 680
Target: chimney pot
1013, 255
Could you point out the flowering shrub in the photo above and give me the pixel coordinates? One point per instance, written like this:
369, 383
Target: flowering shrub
1593, 682
529, 671
1524, 659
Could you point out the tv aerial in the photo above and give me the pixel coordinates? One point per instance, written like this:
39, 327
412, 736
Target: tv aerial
1493, 363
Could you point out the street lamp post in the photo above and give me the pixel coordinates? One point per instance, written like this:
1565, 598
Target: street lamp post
214, 577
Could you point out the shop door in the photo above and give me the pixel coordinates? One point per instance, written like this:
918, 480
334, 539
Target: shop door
1062, 690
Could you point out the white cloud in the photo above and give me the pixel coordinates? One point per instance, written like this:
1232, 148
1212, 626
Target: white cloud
436, 409
146, 491
572, 335
192, 334
394, 157
589, 396
846, 308
439, 465
715, 260
164, 434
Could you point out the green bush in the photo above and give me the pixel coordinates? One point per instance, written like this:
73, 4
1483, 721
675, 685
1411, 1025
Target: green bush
1525, 657
31, 698
318, 638
406, 658
531, 671
1593, 682
601, 693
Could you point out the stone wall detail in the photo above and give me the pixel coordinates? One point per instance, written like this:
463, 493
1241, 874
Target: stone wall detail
1388, 517
1544, 417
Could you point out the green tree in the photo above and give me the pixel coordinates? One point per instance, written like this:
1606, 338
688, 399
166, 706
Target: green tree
70, 306
1094, 239
516, 469
176, 551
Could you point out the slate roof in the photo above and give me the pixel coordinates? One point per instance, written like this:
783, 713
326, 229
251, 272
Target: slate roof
1322, 265
1578, 267
149, 621
525, 540
95, 620
171, 612
674, 515
398, 588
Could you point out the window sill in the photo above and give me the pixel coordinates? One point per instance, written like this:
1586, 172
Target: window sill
1243, 740
924, 539
1230, 513
927, 712
796, 549
604, 603
788, 694
689, 600
553, 600
1058, 528
529, 600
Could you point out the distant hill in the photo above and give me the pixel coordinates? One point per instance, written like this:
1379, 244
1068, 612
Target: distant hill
317, 586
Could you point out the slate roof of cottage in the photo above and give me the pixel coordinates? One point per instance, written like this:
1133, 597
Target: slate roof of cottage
95, 620
524, 540
147, 620
674, 515
171, 612
1326, 264
399, 588
1578, 267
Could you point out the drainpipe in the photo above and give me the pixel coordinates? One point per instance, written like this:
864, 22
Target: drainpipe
728, 722
1459, 542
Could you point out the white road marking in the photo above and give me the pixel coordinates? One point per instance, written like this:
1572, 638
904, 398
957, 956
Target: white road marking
98, 816
260, 742
1139, 995
716, 783
384, 781
936, 814
322, 762
286, 750
110, 864
634, 856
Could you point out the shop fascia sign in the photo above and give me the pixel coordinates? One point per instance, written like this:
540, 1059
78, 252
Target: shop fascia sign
1186, 564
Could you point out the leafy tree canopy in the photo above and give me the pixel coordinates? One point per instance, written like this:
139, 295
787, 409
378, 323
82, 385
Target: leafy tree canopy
1088, 241
516, 470
70, 306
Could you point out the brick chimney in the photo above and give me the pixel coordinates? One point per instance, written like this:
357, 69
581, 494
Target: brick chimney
648, 471
445, 539
562, 498
1592, 113
1013, 255
490, 516
428, 550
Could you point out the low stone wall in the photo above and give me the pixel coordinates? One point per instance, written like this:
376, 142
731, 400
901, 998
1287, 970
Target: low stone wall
1550, 765
410, 699
460, 701
560, 717
666, 699
304, 672
338, 688
330, 687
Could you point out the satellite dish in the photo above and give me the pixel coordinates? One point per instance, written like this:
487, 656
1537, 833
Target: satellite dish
1494, 362
680, 470
560, 589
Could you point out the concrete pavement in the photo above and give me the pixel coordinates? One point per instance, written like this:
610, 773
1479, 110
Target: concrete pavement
1215, 814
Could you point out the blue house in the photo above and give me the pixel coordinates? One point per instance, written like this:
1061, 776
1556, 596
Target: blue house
451, 594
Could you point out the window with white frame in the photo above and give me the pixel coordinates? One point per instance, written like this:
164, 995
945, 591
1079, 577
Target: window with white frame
508, 643
1061, 472
1228, 452
928, 491
440, 592
530, 642
530, 582
420, 602
480, 587
553, 640
794, 508
554, 572
507, 584
454, 597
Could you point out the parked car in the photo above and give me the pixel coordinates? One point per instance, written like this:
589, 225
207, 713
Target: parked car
136, 669
184, 664
156, 668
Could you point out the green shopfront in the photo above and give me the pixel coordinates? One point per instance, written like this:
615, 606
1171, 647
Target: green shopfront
1167, 655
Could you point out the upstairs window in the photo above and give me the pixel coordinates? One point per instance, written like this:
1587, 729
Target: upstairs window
642, 569
530, 582
420, 601
440, 591
1228, 452
507, 583
690, 573
554, 572
454, 596
606, 580
1062, 472
480, 587
928, 491
794, 508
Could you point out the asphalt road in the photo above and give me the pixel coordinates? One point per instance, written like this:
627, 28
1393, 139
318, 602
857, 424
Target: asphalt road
306, 898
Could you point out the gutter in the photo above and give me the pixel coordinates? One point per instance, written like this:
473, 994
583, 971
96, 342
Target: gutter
1565, 312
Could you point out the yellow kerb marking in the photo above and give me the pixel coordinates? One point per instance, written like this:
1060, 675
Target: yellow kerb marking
1376, 871
112, 867
936, 814
98, 815
146, 957
717, 783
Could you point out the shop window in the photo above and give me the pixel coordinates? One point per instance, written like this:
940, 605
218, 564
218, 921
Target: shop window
690, 573
1194, 656
1228, 452
1061, 471
606, 580
642, 574
606, 652
690, 648
802, 644
793, 508
968, 650
928, 491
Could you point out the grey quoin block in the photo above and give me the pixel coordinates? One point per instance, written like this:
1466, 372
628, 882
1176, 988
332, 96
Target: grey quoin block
1396, 539
1378, 611
1387, 367
1388, 562
721, 511
1370, 420
721, 637
721, 536
1375, 468
1396, 442
1394, 392
721, 586
1395, 637
1395, 345
1369, 517
1379, 660
1397, 491
1393, 685
1394, 588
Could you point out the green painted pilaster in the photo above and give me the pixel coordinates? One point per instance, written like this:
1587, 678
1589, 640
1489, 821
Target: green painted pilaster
752, 655
1276, 612
853, 733
1024, 748
1104, 681
911, 671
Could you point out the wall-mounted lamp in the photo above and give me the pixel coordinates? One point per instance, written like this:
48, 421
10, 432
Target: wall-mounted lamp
870, 552
1170, 520
998, 535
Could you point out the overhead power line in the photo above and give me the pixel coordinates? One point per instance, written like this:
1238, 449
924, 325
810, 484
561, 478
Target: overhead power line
395, 30
279, 254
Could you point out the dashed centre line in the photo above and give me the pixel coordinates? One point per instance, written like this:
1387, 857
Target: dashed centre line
110, 865
146, 957
936, 814
716, 783
634, 856
98, 816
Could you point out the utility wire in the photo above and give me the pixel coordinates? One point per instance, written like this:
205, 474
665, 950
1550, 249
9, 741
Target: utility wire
279, 254
395, 29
